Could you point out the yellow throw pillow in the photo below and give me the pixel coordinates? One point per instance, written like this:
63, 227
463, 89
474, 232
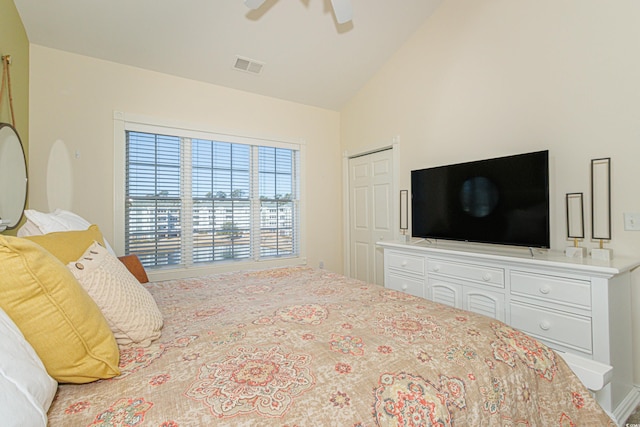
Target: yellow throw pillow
55, 314
68, 246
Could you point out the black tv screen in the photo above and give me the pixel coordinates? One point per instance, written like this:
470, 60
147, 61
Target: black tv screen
503, 200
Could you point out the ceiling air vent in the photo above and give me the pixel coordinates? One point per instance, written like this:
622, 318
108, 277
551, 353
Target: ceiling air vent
248, 65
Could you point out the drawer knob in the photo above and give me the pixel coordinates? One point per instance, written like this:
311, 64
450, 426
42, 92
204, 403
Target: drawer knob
545, 290
404, 263
404, 287
545, 326
436, 268
486, 277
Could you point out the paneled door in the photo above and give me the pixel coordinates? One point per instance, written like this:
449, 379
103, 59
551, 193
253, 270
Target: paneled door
371, 207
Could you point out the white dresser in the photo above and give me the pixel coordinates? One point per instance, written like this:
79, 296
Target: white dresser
580, 307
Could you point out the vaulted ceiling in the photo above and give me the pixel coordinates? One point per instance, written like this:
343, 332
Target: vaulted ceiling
306, 56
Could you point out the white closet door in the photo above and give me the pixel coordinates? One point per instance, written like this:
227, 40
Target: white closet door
371, 207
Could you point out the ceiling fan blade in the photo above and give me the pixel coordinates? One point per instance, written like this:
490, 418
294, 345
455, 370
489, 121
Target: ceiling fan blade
342, 10
253, 4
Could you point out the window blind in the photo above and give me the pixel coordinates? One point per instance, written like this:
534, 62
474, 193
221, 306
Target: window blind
277, 197
153, 202
193, 201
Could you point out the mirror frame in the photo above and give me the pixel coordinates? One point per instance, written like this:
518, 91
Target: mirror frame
13, 225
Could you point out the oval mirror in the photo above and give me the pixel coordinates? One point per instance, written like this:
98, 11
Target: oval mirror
13, 176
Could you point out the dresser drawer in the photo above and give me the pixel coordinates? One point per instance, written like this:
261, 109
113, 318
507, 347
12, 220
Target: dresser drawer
562, 290
408, 263
408, 285
479, 273
556, 327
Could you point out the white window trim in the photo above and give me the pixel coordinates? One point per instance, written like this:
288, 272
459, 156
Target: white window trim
123, 122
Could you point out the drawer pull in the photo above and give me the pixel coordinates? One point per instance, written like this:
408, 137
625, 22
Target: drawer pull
436, 268
404, 287
545, 290
404, 263
486, 277
545, 326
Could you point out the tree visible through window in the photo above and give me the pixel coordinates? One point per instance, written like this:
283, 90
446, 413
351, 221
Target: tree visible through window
195, 201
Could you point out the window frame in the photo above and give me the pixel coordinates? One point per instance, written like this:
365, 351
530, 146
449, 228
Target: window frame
124, 122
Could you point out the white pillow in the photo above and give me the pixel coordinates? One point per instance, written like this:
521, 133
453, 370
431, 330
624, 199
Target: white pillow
29, 229
58, 220
130, 310
26, 389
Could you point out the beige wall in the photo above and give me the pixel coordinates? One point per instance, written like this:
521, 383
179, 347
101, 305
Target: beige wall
488, 78
73, 99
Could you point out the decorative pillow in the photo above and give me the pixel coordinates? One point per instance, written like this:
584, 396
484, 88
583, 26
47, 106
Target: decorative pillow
68, 246
59, 220
129, 308
59, 319
26, 388
135, 267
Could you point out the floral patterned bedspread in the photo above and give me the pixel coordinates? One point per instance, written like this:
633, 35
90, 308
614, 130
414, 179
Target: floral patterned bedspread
306, 347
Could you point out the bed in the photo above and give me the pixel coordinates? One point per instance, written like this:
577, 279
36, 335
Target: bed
300, 346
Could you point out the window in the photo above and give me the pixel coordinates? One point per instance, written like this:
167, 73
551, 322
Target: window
196, 201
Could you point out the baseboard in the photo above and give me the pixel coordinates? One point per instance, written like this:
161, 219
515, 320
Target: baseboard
627, 406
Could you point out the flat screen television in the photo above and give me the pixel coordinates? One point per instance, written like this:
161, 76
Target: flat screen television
502, 200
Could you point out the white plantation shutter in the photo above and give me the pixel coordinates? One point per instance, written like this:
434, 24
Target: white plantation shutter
153, 205
187, 202
222, 206
193, 200
277, 195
